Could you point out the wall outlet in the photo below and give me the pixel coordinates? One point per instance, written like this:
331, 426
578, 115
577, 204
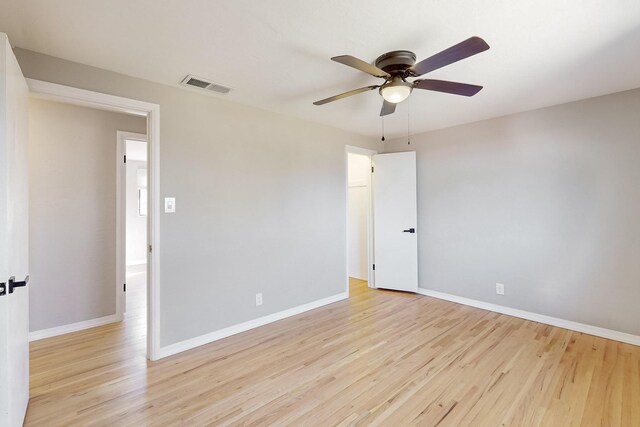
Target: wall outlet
259, 299
499, 289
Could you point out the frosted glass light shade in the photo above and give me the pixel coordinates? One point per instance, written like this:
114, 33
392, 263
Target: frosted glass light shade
395, 93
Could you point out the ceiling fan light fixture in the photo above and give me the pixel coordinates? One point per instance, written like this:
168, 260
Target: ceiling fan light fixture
396, 66
397, 90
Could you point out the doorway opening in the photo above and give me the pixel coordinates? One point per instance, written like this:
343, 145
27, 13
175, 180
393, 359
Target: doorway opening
360, 257
133, 213
75, 249
110, 220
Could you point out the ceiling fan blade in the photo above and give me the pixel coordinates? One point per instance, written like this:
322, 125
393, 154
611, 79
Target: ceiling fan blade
345, 95
359, 64
455, 88
387, 108
462, 50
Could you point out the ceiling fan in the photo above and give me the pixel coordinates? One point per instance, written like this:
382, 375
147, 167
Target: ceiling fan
397, 66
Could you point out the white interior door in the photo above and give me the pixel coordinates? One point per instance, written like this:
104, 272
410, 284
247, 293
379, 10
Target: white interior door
395, 216
14, 240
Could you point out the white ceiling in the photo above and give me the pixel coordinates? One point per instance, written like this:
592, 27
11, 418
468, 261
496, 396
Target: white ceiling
275, 53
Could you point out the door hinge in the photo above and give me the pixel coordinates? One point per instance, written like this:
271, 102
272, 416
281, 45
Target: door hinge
125, 158
3, 289
374, 267
371, 169
150, 249
124, 287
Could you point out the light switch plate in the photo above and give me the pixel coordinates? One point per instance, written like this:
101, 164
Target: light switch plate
169, 204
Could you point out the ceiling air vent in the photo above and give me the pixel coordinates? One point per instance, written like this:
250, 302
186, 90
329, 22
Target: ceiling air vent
201, 83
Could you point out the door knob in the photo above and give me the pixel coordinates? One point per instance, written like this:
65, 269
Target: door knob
13, 284
411, 230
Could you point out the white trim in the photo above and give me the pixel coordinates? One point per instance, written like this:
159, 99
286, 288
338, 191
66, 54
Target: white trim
132, 136
73, 327
121, 218
104, 101
137, 262
121, 229
371, 282
87, 98
245, 326
540, 318
153, 233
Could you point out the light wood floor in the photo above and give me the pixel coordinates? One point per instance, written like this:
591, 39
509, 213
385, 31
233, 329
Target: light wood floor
380, 358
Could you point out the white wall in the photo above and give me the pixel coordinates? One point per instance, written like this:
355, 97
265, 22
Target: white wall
72, 172
545, 202
260, 202
136, 225
359, 167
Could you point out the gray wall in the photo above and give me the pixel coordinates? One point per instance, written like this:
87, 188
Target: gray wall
260, 202
72, 211
546, 202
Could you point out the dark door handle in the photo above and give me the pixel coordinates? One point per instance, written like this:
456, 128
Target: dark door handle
13, 284
411, 230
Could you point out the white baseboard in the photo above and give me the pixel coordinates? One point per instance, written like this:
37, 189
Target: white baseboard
541, 318
136, 262
242, 327
73, 327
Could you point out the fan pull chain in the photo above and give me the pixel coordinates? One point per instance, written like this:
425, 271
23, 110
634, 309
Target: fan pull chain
382, 119
409, 121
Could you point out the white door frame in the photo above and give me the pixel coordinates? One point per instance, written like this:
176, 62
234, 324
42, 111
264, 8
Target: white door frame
75, 96
370, 254
121, 217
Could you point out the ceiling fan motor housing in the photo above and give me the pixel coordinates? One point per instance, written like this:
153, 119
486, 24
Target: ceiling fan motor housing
396, 62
